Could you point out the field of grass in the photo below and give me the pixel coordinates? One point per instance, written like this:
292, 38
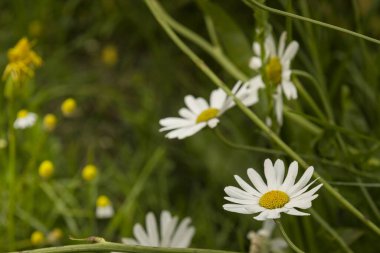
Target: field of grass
129, 63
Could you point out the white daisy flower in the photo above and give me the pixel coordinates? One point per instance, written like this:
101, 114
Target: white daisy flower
104, 208
277, 69
200, 114
168, 234
25, 119
276, 196
261, 240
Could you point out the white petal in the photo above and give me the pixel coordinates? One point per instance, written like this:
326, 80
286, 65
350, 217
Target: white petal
151, 227
262, 216
293, 211
180, 232
172, 123
186, 131
202, 103
270, 174
280, 171
256, 48
308, 193
252, 201
291, 177
235, 208
257, 180
104, 212
247, 187
140, 235
237, 193
186, 113
270, 46
192, 104
167, 233
273, 214
255, 63
129, 241
213, 122
289, 89
278, 103
281, 46
290, 51
186, 238
302, 181
217, 98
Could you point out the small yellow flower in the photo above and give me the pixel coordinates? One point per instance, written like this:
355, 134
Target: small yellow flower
69, 107
89, 172
46, 169
103, 201
22, 61
110, 55
3, 143
104, 209
35, 28
55, 235
37, 238
50, 122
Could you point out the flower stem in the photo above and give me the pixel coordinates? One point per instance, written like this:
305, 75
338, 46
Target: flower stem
109, 247
286, 237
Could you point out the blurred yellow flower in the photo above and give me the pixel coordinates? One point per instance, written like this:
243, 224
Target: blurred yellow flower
35, 28
37, 238
68, 107
22, 61
50, 122
89, 172
46, 169
103, 201
55, 235
24, 119
110, 55
3, 143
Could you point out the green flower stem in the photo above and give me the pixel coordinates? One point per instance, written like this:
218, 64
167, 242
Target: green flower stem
212, 32
152, 5
286, 237
329, 229
369, 199
11, 173
109, 246
309, 20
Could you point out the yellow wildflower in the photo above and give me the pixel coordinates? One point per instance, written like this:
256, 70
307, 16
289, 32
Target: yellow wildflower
55, 235
110, 55
37, 238
22, 61
46, 169
68, 107
50, 122
89, 172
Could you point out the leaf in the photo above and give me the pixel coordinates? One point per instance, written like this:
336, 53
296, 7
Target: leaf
233, 40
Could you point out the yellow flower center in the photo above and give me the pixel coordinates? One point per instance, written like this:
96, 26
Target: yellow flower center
37, 238
46, 169
207, 114
22, 114
89, 172
274, 199
50, 121
273, 70
68, 107
103, 201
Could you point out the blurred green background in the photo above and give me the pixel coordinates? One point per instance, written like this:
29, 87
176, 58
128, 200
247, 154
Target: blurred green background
121, 100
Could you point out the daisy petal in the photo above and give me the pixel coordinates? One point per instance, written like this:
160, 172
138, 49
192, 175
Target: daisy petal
257, 180
247, 187
290, 51
291, 177
302, 181
293, 211
281, 45
280, 171
270, 174
192, 104
289, 90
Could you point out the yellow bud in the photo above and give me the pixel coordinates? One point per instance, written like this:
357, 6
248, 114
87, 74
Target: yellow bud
50, 122
46, 169
37, 238
102, 201
68, 107
110, 55
89, 172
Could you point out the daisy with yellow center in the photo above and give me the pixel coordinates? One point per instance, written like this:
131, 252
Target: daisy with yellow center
170, 232
104, 208
274, 197
25, 119
199, 113
276, 66
22, 61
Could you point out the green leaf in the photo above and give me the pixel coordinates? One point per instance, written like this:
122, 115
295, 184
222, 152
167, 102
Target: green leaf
233, 40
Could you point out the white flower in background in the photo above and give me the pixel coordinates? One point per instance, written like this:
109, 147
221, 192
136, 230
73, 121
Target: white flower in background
277, 69
276, 196
25, 119
104, 208
261, 240
166, 234
200, 114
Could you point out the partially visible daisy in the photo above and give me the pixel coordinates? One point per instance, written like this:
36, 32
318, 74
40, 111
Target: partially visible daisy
276, 65
104, 208
274, 197
261, 240
25, 119
199, 113
165, 234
